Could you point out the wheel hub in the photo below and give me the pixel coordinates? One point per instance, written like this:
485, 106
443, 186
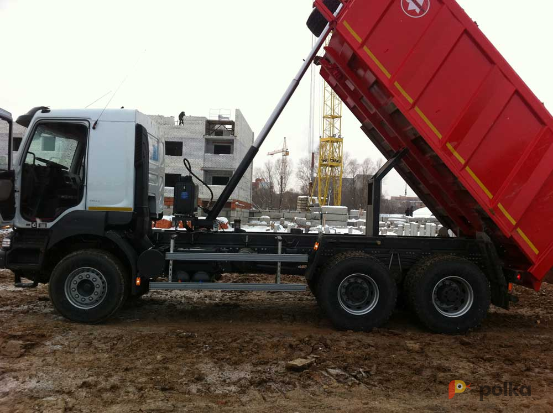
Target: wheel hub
85, 288
453, 296
358, 294
450, 293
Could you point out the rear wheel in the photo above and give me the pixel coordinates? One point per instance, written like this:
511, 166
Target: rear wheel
356, 292
88, 286
449, 294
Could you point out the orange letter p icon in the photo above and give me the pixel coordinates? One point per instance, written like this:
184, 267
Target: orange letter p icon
457, 387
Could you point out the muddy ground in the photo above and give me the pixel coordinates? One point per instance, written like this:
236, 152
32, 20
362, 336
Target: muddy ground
227, 351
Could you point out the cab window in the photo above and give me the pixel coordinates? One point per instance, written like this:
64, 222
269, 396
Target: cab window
54, 170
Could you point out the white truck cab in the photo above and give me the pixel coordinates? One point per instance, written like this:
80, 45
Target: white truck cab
84, 188
82, 160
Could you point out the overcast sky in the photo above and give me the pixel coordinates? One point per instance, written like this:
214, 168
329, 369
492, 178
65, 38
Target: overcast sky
201, 55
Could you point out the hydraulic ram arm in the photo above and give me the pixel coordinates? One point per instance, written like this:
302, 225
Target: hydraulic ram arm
250, 155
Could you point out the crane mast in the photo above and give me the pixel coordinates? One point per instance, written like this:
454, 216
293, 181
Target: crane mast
331, 150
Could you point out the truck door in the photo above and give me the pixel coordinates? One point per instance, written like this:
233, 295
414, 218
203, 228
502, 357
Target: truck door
53, 169
7, 175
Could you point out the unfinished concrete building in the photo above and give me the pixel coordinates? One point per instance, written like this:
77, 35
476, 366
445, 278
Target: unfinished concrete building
214, 146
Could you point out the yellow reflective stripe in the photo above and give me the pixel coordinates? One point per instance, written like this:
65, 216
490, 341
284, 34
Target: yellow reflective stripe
110, 209
455, 153
404, 93
430, 125
380, 65
366, 49
509, 217
525, 238
520, 232
479, 182
352, 32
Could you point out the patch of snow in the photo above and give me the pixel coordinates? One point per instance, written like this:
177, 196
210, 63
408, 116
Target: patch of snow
422, 213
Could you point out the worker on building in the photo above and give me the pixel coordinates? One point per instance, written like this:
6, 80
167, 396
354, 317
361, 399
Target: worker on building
181, 118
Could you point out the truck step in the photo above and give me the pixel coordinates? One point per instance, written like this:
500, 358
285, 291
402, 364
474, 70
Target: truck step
206, 256
228, 287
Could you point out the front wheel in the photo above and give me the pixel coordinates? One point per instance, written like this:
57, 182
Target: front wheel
88, 286
449, 294
357, 292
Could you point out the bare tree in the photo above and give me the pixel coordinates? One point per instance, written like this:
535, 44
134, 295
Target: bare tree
261, 191
349, 189
269, 175
366, 172
283, 170
303, 175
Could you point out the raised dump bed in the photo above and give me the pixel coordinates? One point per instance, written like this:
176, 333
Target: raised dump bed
419, 74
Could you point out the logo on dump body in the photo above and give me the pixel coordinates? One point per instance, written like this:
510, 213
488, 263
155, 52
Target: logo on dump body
415, 8
457, 387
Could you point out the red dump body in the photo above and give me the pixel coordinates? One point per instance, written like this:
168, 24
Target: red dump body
420, 74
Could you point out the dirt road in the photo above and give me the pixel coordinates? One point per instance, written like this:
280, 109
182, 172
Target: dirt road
224, 351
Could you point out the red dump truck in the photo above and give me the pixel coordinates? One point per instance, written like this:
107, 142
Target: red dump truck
433, 95
419, 74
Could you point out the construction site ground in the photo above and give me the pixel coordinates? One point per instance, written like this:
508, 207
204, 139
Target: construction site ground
228, 351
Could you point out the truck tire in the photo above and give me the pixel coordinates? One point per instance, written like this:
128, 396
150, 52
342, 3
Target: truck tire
408, 282
356, 292
316, 22
88, 286
450, 295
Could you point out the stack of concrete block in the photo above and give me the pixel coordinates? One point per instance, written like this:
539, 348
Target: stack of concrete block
303, 202
276, 214
290, 215
316, 215
399, 230
430, 230
239, 214
335, 216
354, 214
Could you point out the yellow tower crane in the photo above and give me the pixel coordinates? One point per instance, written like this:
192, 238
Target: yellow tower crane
331, 150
